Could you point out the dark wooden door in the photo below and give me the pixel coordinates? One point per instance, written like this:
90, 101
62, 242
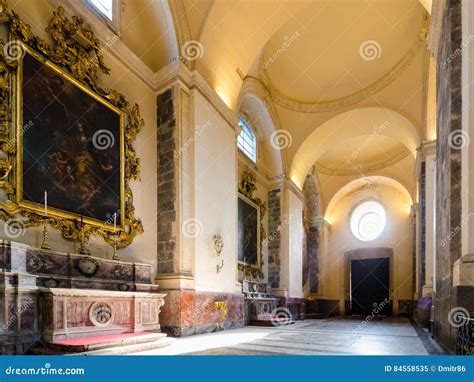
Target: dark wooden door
370, 285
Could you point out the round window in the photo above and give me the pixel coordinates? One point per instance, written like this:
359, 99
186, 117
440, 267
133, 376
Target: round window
368, 221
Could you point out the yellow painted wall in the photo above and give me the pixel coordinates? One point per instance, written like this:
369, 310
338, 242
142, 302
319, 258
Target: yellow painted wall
398, 235
215, 171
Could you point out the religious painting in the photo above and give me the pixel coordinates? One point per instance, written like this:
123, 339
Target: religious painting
248, 232
71, 145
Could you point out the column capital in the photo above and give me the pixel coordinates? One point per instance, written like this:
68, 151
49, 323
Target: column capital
463, 271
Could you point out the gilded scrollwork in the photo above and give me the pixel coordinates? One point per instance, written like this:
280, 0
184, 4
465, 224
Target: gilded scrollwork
77, 51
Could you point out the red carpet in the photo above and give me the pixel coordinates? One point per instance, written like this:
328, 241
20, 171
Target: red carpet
98, 339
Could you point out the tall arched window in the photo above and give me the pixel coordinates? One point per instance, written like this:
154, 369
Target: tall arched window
247, 141
108, 11
105, 7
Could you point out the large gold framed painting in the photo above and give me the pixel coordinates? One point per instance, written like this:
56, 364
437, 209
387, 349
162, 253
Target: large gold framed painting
67, 143
72, 149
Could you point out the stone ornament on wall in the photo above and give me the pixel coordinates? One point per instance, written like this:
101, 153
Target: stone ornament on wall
88, 266
218, 246
101, 314
77, 54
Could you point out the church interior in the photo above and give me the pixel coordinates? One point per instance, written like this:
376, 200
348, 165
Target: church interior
236, 177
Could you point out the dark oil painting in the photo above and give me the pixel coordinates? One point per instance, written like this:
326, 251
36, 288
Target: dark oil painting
248, 226
72, 147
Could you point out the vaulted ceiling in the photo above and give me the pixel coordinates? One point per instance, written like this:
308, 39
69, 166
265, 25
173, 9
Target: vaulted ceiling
316, 61
346, 67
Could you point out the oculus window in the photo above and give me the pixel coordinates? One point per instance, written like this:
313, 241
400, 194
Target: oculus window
368, 220
247, 141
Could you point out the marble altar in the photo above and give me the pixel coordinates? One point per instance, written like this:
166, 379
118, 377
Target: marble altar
49, 296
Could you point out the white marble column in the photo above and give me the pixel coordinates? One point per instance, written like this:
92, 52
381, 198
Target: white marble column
414, 213
430, 220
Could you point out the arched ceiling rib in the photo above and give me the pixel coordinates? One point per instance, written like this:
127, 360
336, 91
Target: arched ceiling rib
371, 123
271, 160
369, 186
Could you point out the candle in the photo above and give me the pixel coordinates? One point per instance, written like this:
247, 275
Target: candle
46, 203
115, 221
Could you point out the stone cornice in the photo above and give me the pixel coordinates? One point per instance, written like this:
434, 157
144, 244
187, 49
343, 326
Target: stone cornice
436, 26
427, 148
286, 183
346, 101
193, 80
365, 168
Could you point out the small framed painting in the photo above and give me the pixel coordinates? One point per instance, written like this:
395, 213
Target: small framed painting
248, 232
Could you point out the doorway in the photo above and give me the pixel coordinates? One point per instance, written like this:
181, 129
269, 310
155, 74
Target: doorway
370, 286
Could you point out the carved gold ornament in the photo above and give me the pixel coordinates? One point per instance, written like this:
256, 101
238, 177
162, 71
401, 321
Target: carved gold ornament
77, 52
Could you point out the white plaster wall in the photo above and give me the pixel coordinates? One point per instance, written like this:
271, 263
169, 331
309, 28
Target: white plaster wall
37, 13
295, 288
291, 255
215, 170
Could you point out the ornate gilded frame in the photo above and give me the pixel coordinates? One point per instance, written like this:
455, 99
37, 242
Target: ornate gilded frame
248, 185
259, 249
77, 55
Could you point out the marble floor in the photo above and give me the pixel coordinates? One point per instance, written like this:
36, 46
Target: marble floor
335, 336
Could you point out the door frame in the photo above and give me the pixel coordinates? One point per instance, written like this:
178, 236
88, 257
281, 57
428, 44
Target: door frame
368, 253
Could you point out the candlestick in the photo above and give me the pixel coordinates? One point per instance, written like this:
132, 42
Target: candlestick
82, 247
45, 244
46, 203
115, 255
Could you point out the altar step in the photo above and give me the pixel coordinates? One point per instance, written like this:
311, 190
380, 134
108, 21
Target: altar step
117, 344
315, 315
275, 321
